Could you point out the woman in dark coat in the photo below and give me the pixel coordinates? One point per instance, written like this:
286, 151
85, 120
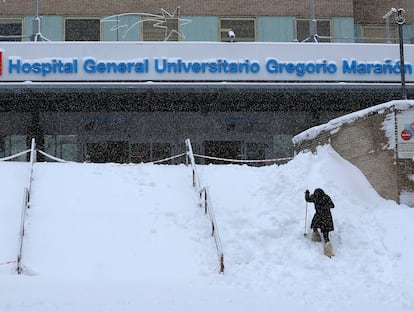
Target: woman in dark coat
322, 219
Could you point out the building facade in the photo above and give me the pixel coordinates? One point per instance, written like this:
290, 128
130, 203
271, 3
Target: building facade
257, 21
249, 114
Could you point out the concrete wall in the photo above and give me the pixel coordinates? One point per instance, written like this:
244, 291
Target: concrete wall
371, 12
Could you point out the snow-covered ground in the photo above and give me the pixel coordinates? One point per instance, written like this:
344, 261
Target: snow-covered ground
132, 237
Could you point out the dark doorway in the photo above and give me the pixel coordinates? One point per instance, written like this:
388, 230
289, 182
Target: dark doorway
112, 151
222, 149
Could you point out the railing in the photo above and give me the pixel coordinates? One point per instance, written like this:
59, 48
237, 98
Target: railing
27, 193
26, 200
52, 157
14, 156
169, 158
208, 209
206, 203
205, 197
242, 161
26, 205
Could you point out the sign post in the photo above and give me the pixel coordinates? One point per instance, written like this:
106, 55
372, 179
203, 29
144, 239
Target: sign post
400, 20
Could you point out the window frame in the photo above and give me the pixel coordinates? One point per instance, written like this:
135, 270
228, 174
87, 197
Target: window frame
148, 151
146, 21
55, 145
393, 33
282, 145
307, 20
13, 20
82, 18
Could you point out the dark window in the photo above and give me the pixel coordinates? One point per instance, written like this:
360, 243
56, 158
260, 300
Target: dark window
161, 151
222, 149
146, 152
323, 29
256, 151
140, 153
1, 147
95, 152
244, 29
10, 30
118, 151
378, 34
282, 145
161, 30
82, 29
113, 151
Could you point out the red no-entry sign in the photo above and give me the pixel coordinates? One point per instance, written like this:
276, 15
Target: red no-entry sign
406, 135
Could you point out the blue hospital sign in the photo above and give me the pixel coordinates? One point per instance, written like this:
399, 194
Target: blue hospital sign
200, 61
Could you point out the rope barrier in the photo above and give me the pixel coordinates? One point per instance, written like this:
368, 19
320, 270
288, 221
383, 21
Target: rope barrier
242, 161
15, 155
53, 158
170, 158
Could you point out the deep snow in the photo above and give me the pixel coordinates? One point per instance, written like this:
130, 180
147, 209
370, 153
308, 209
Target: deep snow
132, 237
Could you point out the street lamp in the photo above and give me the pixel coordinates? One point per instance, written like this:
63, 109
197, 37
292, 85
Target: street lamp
412, 23
400, 20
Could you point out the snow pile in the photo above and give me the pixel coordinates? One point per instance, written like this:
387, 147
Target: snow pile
131, 237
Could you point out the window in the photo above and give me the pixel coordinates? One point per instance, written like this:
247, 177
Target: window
323, 29
77, 29
282, 145
140, 152
10, 29
1, 147
164, 30
256, 151
378, 34
161, 151
110, 151
13, 144
62, 146
244, 29
222, 149
145, 152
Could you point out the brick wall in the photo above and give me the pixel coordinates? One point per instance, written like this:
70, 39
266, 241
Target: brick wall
364, 144
323, 8
371, 12
364, 11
